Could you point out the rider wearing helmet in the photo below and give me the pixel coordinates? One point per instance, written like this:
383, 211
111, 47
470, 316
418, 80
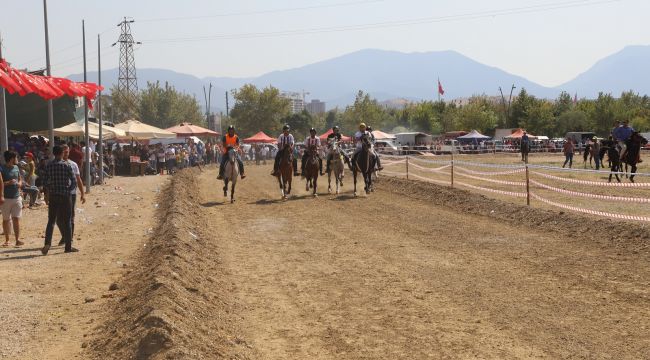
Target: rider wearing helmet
357, 140
335, 136
230, 140
311, 140
284, 140
372, 141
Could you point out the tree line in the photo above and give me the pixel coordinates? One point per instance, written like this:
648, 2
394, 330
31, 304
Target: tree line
264, 109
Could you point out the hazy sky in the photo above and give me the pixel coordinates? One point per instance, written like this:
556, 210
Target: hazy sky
547, 41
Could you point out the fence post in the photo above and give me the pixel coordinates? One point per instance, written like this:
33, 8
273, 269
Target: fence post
407, 167
527, 186
452, 169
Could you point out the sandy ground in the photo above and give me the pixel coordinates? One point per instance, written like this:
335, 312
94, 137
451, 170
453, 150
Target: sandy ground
409, 272
48, 304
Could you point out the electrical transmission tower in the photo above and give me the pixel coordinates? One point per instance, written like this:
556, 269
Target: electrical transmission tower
127, 85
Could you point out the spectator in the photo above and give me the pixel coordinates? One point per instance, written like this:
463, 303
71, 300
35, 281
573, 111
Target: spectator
568, 150
59, 181
12, 207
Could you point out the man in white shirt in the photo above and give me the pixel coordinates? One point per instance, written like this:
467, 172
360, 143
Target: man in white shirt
284, 140
359, 145
264, 152
311, 141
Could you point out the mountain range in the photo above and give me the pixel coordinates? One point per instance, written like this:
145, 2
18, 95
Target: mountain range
389, 74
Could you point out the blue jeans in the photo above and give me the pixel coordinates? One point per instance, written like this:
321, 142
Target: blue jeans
568, 159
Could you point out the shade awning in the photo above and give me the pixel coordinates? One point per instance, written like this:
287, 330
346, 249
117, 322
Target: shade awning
188, 129
141, 131
380, 135
473, 135
517, 134
77, 129
260, 137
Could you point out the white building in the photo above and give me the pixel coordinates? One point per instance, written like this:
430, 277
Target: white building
315, 107
297, 101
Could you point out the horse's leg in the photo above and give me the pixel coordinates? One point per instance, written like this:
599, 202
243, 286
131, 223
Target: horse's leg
281, 183
354, 177
232, 192
632, 172
225, 187
329, 182
307, 183
315, 184
289, 190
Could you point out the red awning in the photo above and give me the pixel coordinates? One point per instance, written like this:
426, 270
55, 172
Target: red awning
328, 132
47, 87
260, 137
518, 134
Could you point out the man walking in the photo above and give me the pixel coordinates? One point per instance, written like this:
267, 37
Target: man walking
59, 180
12, 208
73, 193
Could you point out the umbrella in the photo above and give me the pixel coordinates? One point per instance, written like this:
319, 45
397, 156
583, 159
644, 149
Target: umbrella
76, 129
141, 131
473, 135
187, 129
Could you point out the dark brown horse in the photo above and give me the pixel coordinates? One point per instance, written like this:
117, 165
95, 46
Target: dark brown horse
364, 163
631, 155
285, 173
311, 170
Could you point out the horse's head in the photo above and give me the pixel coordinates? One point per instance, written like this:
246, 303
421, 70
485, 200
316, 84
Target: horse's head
638, 138
365, 141
232, 154
334, 147
312, 150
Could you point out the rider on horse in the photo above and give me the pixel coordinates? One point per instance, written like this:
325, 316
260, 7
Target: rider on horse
285, 140
622, 134
358, 136
372, 141
335, 136
230, 140
311, 141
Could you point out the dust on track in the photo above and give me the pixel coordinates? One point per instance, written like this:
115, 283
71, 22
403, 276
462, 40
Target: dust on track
411, 271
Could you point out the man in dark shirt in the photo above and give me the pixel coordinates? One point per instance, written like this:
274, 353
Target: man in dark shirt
59, 180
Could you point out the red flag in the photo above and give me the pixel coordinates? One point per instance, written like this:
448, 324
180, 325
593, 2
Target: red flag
441, 91
8, 83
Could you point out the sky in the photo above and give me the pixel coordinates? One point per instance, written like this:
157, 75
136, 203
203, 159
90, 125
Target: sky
546, 41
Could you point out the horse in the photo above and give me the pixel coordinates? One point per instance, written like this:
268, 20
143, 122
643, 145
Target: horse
311, 170
230, 174
631, 156
285, 173
335, 166
364, 164
525, 149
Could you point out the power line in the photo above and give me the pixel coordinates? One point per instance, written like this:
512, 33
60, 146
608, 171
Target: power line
396, 23
261, 12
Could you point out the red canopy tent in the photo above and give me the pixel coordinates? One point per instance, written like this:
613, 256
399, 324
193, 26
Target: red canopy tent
187, 129
328, 132
47, 87
260, 137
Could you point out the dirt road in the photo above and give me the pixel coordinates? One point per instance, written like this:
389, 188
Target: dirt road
393, 277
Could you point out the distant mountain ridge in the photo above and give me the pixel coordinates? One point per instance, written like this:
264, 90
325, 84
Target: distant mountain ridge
388, 75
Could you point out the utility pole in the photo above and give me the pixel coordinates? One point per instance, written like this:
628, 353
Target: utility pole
227, 107
86, 134
50, 104
506, 110
127, 82
100, 144
4, 140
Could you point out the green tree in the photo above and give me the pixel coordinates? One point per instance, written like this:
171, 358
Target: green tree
300, 123
256, 110
364, 110
479, 114
574, 120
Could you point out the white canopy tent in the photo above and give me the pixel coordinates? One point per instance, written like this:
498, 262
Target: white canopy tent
76, 129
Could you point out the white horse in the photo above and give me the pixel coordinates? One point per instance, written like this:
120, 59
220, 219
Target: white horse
230, 174
335, 166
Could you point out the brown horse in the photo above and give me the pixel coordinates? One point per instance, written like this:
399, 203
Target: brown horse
285, 173
312, 168
631, 156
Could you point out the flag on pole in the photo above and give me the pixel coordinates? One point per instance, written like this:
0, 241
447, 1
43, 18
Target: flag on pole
441, 91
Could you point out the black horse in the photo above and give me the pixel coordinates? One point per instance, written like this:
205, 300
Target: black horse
364, 163
631, 155
614, 160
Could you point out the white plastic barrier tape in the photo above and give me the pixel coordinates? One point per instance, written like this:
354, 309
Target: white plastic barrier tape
497, 166
429, 161
555, 168
508, 193
387, 163
502, 182
428, 169
595, 183
591, 212
442, 182
490, 173
392, 173
593, 196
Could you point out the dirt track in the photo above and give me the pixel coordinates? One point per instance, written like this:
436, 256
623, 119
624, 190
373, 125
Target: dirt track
382, 277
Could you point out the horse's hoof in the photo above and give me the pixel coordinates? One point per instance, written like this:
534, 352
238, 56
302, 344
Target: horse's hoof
225, 194
315, 195
329, 191
232, 201
355, 194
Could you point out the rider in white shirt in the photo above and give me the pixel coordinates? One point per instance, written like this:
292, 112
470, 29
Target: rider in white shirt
286, 139
357, 139
311, 140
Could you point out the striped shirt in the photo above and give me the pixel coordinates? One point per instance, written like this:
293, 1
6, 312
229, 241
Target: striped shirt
285, 140
312, 141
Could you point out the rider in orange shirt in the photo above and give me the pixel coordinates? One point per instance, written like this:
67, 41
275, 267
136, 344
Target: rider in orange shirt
230, 140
